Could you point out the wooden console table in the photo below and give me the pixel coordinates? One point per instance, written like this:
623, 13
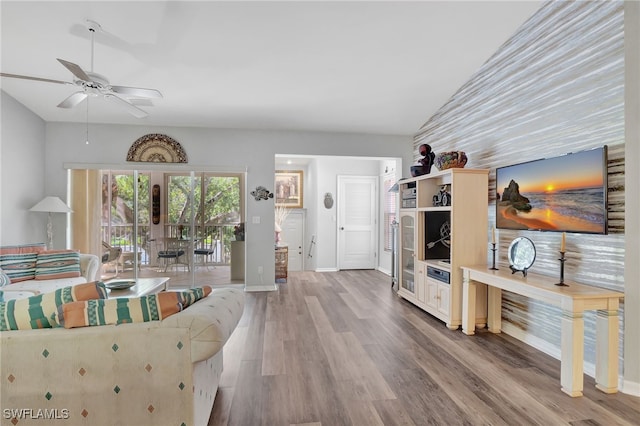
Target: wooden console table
573, 299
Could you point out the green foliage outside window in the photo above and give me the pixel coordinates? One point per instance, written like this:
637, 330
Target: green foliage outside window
216, 212
220, 204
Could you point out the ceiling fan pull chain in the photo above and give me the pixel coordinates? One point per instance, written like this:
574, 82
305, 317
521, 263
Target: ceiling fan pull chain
87, 135
93, 32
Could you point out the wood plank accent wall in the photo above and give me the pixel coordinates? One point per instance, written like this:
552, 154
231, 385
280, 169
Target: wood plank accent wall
556, 86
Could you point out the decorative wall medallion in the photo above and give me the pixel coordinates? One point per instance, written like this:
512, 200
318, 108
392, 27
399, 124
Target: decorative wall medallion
156, 148
328, 200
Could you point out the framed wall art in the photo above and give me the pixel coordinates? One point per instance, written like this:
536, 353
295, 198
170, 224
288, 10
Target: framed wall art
289, 188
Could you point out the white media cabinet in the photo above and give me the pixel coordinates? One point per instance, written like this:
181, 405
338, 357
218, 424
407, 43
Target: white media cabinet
429, 275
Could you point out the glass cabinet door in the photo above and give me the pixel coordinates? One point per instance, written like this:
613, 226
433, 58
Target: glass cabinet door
407, 251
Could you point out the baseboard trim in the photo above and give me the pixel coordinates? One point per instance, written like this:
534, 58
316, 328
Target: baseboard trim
326, 270
630, 388
542, 345
384, 271
252, 288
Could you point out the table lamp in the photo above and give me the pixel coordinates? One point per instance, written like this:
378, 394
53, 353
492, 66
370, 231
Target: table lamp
51, 205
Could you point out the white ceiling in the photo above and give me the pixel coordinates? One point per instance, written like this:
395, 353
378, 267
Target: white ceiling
363, 67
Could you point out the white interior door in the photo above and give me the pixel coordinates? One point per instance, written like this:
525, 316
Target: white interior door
293, 235
357, 211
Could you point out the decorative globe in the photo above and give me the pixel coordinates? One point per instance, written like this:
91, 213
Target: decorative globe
450, 159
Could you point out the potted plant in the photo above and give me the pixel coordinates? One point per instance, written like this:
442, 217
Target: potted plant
281, 214
238, 231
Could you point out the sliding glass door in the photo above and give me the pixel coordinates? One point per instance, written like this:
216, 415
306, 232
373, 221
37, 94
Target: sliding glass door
215, 202
121, 213
147, 214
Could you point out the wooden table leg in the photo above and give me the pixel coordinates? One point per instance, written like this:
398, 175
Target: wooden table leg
607, 348
494, 309
468, 305
572, 353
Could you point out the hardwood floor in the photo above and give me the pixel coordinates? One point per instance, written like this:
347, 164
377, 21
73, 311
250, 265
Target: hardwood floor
341, 348
179, 277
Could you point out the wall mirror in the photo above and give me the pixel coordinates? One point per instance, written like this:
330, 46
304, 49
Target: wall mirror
522, 254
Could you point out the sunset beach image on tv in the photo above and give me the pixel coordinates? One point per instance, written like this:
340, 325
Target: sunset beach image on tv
566, 194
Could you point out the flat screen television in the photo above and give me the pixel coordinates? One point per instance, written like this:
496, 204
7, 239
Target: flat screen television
567, 193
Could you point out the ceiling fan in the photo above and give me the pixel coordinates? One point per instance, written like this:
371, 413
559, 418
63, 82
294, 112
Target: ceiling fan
94, 84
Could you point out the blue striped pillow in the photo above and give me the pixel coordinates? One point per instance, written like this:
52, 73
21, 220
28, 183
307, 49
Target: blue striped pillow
54, 264
19, 267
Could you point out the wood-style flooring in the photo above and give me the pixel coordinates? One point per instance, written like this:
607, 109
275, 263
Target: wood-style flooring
179, 277
341, 348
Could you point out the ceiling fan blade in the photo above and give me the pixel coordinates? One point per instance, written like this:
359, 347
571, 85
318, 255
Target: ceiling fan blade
131, 109
73, 100
136, 92
26, 77
75, 70
141, 102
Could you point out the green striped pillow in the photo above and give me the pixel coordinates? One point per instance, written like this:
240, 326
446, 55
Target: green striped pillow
4, 278
36, 311
154, 307
54, 264
19, 266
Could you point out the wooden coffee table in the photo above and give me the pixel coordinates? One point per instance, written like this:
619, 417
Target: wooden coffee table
143, 287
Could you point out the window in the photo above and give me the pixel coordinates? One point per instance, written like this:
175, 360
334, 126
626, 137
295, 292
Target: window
118, 209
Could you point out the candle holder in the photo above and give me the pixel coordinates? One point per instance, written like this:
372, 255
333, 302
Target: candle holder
562, 260
493, 262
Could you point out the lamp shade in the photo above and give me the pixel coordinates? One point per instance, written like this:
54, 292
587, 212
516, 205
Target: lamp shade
51, 205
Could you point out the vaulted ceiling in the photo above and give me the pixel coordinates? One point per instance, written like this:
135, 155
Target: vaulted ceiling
358, 67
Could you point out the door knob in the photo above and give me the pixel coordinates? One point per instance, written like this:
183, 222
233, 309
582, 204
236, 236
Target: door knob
342, 228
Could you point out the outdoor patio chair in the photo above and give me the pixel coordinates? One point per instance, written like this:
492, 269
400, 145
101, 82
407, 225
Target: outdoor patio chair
206, 253
172, 254
110, 255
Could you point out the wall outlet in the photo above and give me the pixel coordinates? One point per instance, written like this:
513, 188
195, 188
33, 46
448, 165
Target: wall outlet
260, 270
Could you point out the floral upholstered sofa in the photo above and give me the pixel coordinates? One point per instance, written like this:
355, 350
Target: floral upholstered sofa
130, 372
30, 269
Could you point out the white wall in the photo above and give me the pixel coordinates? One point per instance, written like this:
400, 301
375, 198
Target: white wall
391, 167
632, 209
22, 154
327, 171
225, 149
320, 177
563, 83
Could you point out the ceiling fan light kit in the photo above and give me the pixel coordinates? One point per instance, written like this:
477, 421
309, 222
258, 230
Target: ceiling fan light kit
97, 85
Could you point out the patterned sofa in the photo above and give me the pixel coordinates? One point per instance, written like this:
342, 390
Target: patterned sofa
32, 269
143, 373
